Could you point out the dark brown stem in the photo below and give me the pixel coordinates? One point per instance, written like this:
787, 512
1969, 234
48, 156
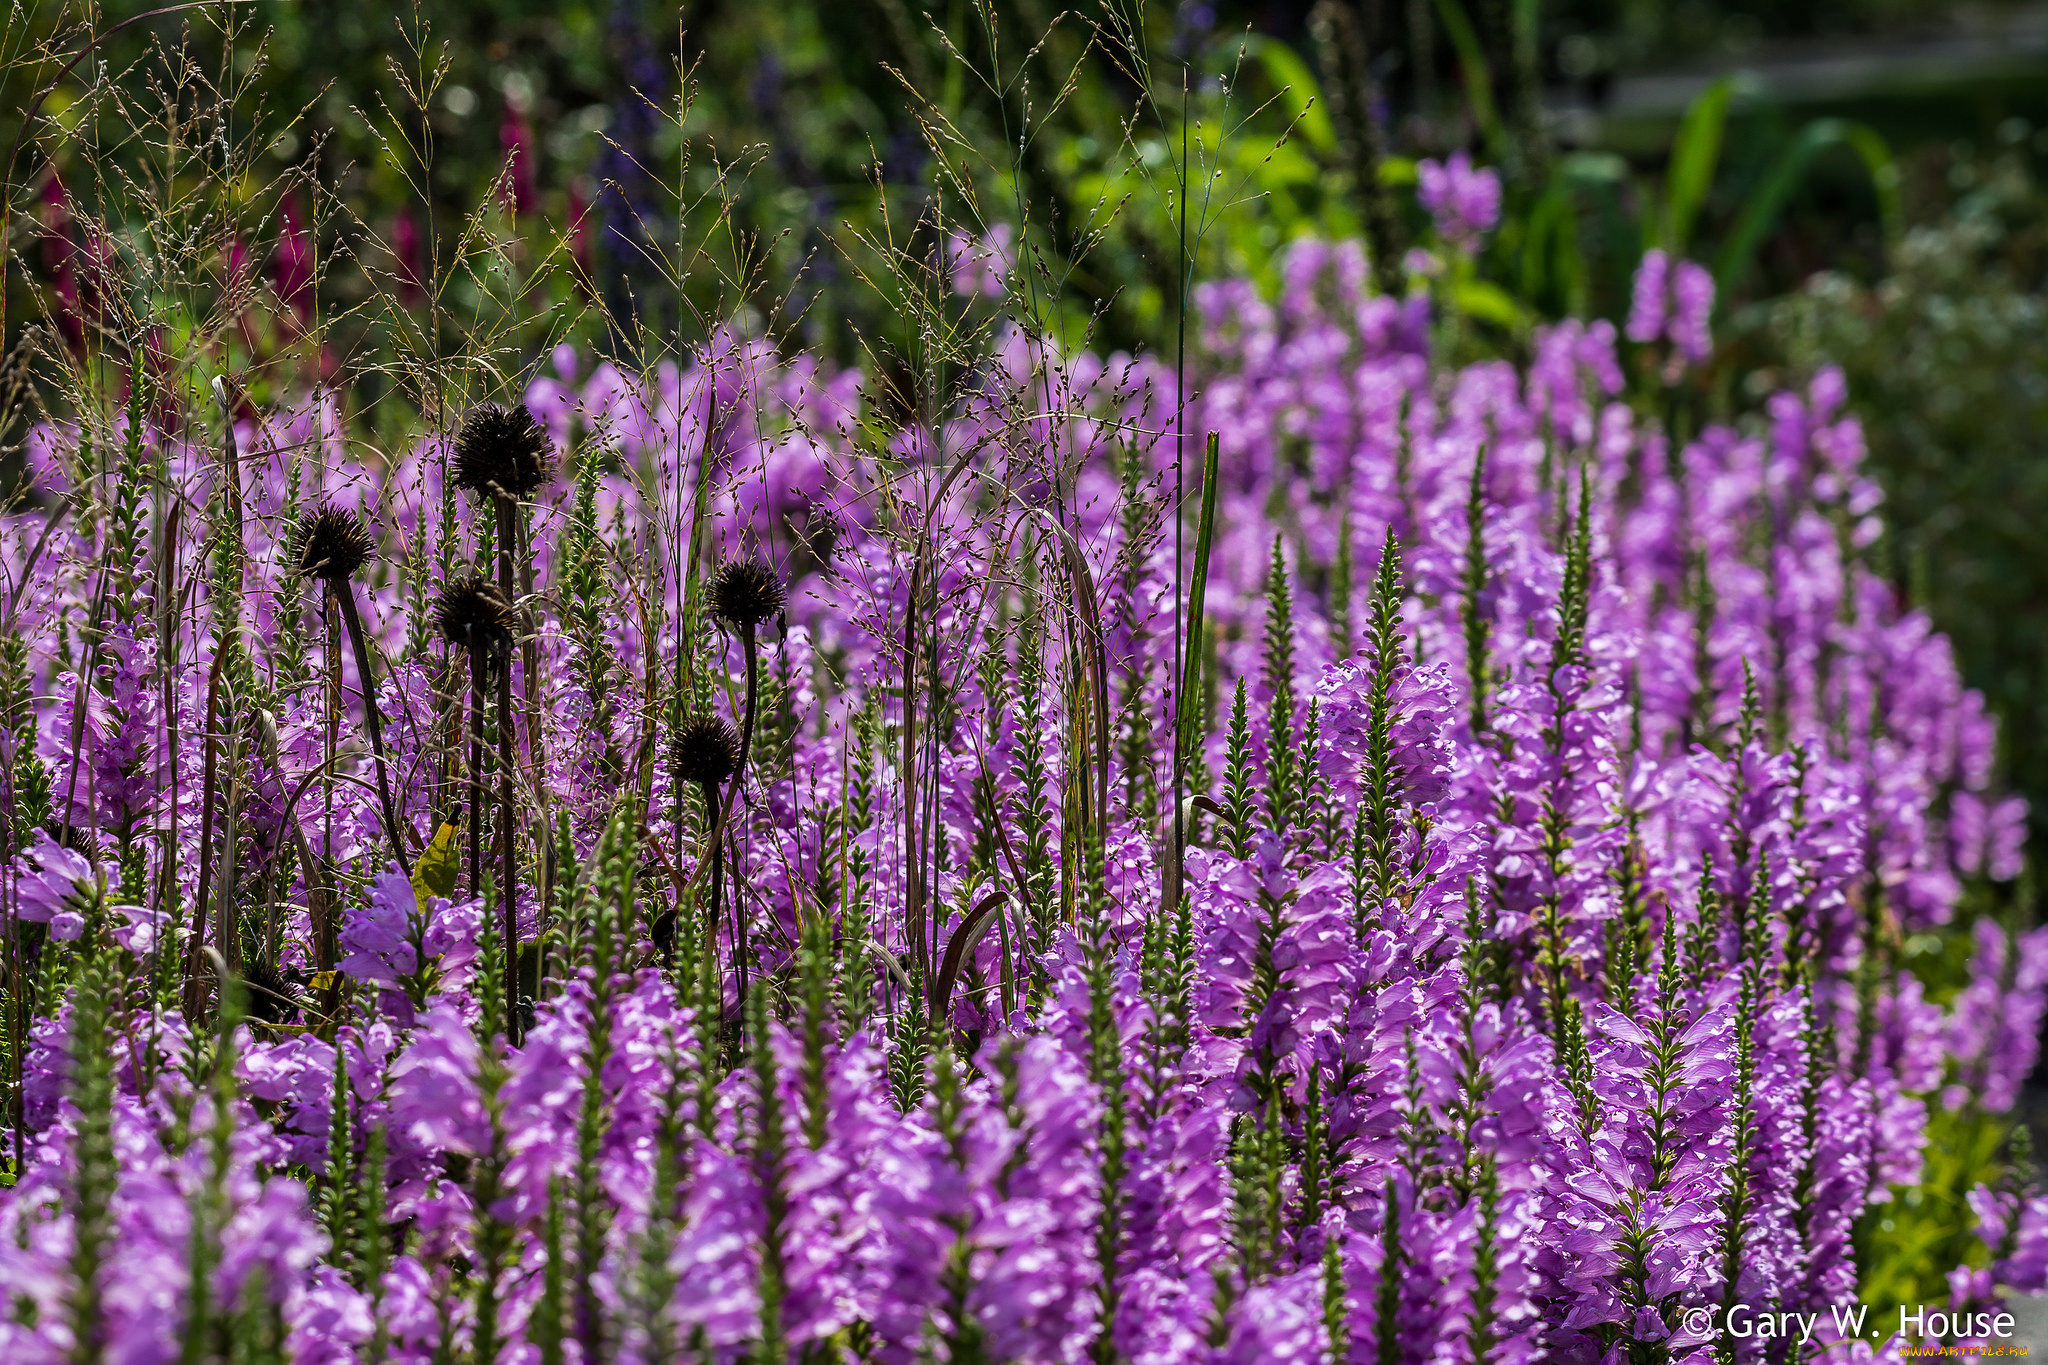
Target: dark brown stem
714, 827
536, 735
345, 595
740, 947
331, 695
475, 776
507, 828
508, 524
747, 718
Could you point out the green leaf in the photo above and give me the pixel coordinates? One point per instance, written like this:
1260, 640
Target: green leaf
1593, 168
1553, 267
1694, 154
1488, 302
435, 872
1188, 703
1760, 213
1477, 74
1299, 93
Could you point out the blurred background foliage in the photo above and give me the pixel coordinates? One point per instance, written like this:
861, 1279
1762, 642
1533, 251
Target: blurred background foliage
1862, 175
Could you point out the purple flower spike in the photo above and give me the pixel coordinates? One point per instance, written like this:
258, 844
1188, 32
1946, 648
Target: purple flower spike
1464, 200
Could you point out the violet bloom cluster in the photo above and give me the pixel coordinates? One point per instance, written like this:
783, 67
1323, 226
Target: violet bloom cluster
1463, 199
1558, 800
1673, 301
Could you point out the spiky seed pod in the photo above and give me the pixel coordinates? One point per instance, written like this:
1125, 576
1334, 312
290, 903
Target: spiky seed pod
81, 841
503, 450
706, 751
745, 592
272, 994
331, 543
473, 614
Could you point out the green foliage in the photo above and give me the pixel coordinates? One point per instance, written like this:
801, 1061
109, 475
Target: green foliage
1239, 805
1947, 362
1905, 1245
94, 1172
1282, 767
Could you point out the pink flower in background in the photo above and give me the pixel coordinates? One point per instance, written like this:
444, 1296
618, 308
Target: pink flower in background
515, 135
409, 257
291, 268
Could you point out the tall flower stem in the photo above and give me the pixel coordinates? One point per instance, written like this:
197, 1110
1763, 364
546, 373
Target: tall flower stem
714, 849
475, 616
503, 455
705, 751
536, 720
741, 950
476, 771
508, 819
352, 621
744, 593
507, 830
333, 544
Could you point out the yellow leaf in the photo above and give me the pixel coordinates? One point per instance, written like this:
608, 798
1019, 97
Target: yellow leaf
434, 873
323, 981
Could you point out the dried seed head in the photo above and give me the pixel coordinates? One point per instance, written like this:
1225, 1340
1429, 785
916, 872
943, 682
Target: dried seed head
502, 450
745, 592
80, 841
332, 543
272, 995
473, 614
706, 751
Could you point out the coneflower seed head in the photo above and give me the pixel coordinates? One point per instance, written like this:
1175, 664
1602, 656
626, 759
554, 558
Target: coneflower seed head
272, 995
705, 751
503, 450
332, 543
473, 614
745, 592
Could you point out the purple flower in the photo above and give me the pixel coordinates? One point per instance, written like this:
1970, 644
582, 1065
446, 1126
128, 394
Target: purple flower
1542, 993
379, 939
1692, 289
390, 942
56, 886
982, 266
1651, 302
434, 1099
1674, 301
1464, 201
